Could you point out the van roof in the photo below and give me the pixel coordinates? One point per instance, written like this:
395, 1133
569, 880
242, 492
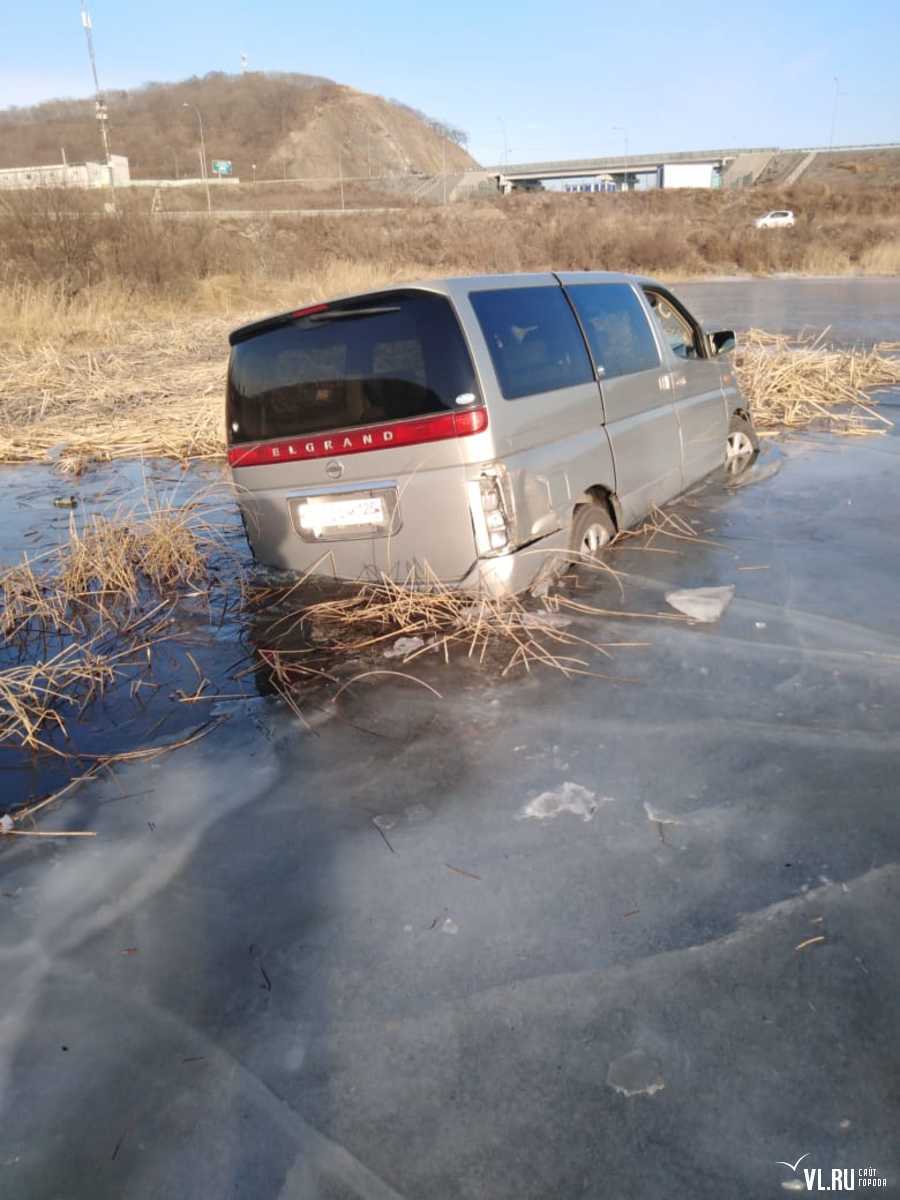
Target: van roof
454, 286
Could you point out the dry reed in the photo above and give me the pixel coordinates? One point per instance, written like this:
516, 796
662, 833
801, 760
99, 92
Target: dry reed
105, 568
31, 695
373, 618
802, 382
306, 647
98, 385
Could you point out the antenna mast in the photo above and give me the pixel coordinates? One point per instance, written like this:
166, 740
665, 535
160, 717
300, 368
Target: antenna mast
100, 110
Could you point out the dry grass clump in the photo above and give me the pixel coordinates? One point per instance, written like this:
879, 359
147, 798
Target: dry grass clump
32, 694
25, 597
802, 382
110, 557
108, 564
102, 597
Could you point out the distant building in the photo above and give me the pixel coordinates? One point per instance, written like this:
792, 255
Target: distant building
688, 175
66, 174
598, 183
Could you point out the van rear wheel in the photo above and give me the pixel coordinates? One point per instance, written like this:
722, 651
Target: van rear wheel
592, 531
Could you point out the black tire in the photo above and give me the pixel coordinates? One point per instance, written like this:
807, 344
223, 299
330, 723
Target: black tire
741, 446
592, 531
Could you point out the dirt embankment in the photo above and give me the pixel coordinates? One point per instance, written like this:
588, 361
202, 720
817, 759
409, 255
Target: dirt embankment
841, 170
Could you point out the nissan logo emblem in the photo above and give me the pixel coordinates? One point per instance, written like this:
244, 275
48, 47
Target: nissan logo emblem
334, 470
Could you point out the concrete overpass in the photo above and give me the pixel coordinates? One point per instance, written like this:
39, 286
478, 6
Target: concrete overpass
735, 166
619, 166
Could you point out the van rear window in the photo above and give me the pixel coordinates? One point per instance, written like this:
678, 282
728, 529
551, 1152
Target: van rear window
361, 362
533, 339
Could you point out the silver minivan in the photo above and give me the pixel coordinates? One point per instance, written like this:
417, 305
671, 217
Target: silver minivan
477, 431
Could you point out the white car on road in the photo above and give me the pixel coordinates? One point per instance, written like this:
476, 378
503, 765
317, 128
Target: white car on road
781, 218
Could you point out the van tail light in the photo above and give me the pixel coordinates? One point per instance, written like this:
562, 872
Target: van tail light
414, 432
308, 311
491, 510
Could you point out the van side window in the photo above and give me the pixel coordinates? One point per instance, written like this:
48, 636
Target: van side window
675, 329
617, 328
533, 338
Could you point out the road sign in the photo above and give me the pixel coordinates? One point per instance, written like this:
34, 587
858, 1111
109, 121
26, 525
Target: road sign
221, 166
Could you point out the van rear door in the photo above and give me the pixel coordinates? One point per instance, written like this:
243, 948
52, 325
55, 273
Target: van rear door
346, 425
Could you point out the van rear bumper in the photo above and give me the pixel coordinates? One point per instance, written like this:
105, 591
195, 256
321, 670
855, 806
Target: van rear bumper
507, 574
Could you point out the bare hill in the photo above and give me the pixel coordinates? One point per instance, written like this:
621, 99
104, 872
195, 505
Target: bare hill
288, 125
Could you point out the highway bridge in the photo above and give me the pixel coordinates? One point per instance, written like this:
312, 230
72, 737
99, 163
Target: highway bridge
736, 165
579, 168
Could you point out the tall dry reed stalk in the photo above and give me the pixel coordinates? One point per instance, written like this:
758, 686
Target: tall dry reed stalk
32, 695
105, 568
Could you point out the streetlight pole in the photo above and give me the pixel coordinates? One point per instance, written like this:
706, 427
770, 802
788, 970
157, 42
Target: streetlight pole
502, 124
187, 104
837, 92
621, 129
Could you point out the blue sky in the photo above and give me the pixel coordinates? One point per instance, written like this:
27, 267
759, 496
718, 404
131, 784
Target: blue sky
551, 77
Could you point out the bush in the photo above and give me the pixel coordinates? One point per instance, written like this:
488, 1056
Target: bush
66, 239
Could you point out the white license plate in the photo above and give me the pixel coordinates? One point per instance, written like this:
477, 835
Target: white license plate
317, 516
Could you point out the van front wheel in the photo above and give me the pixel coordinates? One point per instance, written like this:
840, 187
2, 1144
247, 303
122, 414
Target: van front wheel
592, 531
741, 445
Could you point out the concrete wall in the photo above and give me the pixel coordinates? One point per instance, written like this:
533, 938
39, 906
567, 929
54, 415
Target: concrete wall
745, 169
79, 175
686, 175
215, 181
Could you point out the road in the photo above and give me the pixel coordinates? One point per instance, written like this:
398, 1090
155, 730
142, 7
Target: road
349, 963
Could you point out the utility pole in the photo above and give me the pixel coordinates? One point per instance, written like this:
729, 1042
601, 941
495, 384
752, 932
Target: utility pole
100, 110
203, 171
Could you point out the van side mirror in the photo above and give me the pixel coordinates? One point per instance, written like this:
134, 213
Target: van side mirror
722, 341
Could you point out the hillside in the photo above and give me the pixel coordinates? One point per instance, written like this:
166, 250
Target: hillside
288, 125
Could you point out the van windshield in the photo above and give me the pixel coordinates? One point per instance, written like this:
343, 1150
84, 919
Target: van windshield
361, 362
